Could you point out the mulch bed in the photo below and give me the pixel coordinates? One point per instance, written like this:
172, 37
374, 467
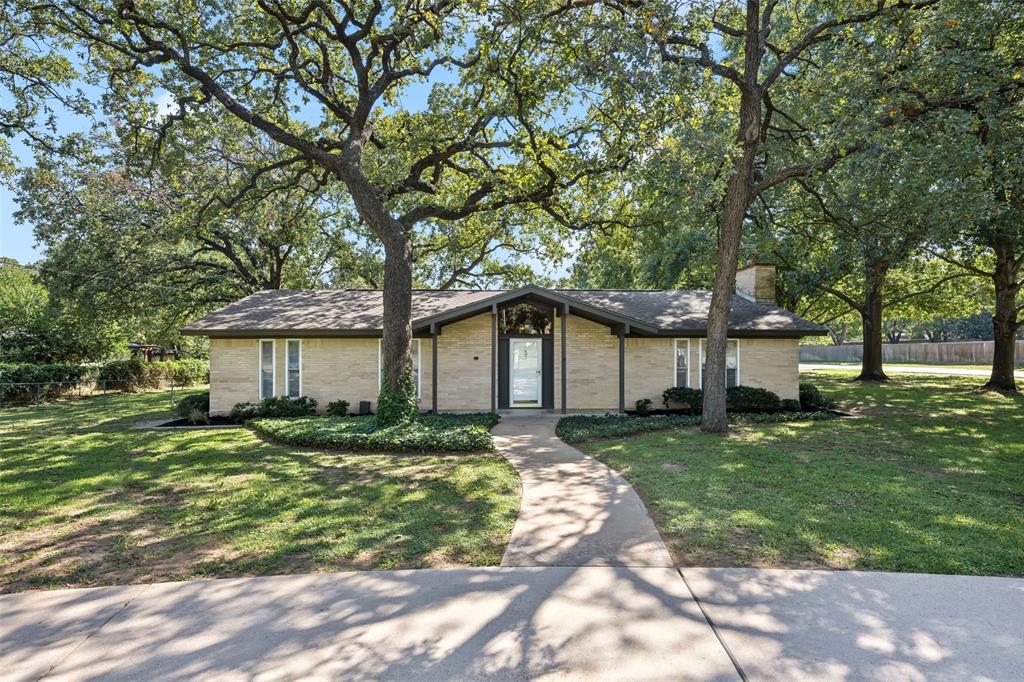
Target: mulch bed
214, 421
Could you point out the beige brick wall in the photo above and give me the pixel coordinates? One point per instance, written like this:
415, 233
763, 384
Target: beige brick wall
332, 369
650, 369
463, 365
592, 365
773, 364
338, 369
335, 368
234, 378
764, 363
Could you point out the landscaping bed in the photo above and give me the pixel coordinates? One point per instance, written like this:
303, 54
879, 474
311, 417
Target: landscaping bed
580, 429
424, 433
186, 422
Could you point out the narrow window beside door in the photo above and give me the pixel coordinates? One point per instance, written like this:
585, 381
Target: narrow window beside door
294, 348
266, 369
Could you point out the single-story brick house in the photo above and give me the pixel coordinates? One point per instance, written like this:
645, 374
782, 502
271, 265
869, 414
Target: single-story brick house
532, 347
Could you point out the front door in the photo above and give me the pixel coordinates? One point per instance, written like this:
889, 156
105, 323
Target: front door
526, 372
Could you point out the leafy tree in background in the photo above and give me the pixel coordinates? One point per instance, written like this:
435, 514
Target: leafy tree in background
34, 328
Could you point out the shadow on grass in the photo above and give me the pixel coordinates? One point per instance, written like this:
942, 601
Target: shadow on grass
931, 483
89, 501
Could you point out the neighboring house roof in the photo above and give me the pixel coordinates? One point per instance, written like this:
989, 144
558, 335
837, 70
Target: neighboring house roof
360, 312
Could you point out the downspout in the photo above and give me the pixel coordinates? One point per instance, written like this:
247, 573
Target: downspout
433, 368
494, 358
565, 314
622, 368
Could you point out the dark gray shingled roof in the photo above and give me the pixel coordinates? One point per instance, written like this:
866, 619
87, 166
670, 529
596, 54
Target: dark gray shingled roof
360, 311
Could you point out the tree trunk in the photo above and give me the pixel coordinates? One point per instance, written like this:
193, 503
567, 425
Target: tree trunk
1004, 320
396, 353
871, 318
737, 200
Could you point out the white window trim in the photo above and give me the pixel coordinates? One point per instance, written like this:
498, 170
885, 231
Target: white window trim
700, 364
273, 366
675, 362
286, 369
419, 363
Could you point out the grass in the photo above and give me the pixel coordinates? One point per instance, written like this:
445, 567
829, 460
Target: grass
85, 500
931, 480
425, 433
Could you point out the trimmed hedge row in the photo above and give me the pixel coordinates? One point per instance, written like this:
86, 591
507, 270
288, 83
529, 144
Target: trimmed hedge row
135, 374
424, 433
580, 429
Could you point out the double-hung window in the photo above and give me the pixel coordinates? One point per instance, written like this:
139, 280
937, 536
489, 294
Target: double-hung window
293, 355
266, 368
732, 362
682, 362
415, 366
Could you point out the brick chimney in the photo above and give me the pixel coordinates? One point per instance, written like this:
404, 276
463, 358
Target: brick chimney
756, 282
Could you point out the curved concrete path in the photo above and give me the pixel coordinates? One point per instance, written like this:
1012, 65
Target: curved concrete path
575, 511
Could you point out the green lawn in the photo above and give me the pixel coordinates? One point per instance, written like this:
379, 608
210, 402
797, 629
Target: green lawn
84, 500
931, 480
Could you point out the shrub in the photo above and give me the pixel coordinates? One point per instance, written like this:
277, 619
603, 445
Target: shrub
339, 408
197, 416
423, 433
55, 379
186, 372
274, 406
191, 403
691, 398
643, 407
243, 412
129, 375
750, 399
811, 398
583, 428
790, 405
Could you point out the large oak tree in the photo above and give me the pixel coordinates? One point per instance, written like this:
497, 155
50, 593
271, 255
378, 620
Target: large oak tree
502, 124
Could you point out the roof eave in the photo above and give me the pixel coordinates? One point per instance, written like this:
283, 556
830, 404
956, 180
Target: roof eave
486, 303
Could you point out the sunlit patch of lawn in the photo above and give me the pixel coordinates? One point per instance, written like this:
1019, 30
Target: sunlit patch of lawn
931, 479
85, 500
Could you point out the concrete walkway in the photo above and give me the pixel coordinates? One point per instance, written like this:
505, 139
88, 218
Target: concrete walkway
575, 511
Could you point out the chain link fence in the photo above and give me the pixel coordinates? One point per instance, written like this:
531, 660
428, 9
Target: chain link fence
40, 393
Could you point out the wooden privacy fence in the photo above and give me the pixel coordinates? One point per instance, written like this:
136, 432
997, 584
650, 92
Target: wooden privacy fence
942, 353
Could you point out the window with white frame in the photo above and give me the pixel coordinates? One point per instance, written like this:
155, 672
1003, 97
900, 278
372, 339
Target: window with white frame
732, 362
293, 354
266, 368
415, 366
682, 362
